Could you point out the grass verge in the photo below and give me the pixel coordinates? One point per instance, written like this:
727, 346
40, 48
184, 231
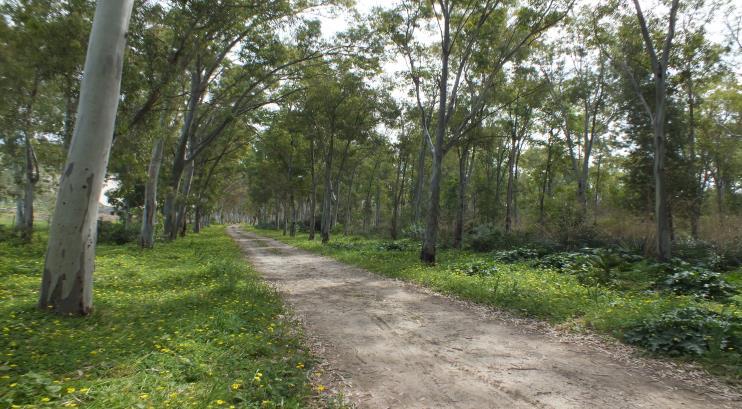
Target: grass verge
187, 325
558, 298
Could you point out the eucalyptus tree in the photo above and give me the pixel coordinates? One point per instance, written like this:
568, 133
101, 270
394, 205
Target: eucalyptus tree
24, 74
580, 89
656, 112
222, 90
66, 286
700, 69
471, 35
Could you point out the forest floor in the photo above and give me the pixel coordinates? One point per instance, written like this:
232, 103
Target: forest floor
393, 344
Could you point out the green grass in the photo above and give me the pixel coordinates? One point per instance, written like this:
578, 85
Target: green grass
187, 325
558, 298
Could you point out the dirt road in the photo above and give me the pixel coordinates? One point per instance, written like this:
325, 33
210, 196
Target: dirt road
402, 347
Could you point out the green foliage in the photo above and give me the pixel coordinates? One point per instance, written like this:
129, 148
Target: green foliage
117, 233
695, 281
515, 255
688, 331
487, 237
708, 254
399, 245
477, 268
188, 325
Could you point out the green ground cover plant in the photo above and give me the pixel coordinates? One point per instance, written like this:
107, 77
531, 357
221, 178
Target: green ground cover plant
189, 325
606, 290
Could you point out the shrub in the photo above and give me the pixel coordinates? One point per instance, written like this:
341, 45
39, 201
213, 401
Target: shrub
701, 253
557, 261
591, 266
487, 237
484, 237
399, 245
516, 255
698, 282
117, 233
688, 331
476, 268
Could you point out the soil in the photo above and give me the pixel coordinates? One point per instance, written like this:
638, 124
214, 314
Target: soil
396, 345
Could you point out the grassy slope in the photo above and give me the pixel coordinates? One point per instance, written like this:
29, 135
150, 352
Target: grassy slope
558, 298
188, 325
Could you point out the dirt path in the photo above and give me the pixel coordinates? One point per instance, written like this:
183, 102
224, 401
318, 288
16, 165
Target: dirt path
402, 347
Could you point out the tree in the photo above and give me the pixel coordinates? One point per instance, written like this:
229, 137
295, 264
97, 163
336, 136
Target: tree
66, 286
657, 116
473, 35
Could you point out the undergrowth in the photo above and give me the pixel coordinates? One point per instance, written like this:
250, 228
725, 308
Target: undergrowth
187, 325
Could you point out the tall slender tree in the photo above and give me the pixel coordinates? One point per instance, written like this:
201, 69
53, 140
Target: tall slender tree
67, 283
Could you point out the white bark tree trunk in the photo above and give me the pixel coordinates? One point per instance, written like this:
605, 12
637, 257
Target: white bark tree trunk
67, 284
147, 236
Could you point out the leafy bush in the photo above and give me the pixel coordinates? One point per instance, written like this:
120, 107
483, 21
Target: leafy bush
398, 245
476, 268
117, 233
591, 266
688, 331
485, 237
701, 253
698, 282
515, 255
558, 261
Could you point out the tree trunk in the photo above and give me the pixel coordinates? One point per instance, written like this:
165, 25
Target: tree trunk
182, 200
458, 231
545, 182
377, 218
398, 193
149, 215
18, 222
662, 211
349, 205
292, 228
327, 200
179, 162
336, 208
697, 193
313, 198
659, 69
31, 171
430, 241
511, 185
367, 201
596, 202
67, 283
428, 252
419, 181
197, 220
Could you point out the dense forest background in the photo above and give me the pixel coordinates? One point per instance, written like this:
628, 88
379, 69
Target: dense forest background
248, 112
